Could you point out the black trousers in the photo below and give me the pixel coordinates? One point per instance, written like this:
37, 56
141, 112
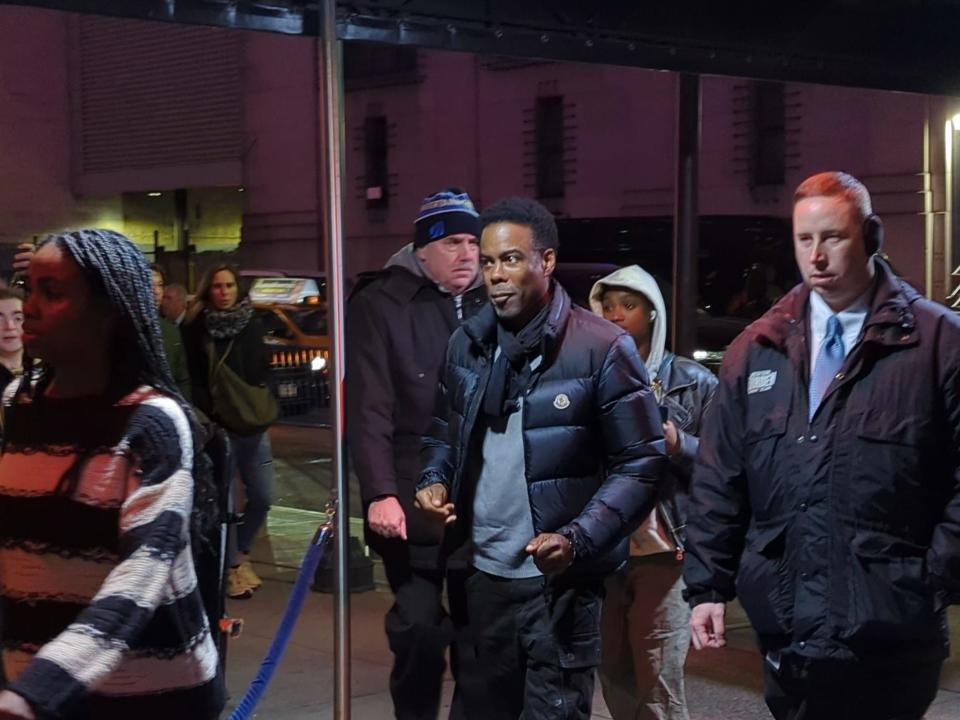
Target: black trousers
805, 689
419, 629
538, 645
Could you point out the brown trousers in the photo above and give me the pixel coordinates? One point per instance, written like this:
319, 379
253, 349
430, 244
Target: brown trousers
645, 633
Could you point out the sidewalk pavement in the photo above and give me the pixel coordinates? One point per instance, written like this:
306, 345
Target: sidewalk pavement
721, 685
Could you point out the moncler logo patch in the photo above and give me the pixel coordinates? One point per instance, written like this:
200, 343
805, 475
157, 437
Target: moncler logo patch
761, 381
561, 401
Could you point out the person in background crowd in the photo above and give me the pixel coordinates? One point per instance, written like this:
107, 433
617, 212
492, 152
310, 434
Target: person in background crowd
545, 458
222, 329
172, 341
21, 263
644, 624
173, 306
826, 495
11, 335
100, 474
399, 321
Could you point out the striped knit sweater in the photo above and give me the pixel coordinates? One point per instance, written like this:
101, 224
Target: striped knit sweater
101, 616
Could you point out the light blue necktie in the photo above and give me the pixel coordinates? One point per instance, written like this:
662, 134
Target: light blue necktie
829, 362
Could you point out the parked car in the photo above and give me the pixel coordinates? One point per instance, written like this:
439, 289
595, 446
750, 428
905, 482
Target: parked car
294, 315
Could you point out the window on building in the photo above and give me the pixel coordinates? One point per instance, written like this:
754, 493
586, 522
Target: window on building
769, 134
370, 65
375, 147
549, 131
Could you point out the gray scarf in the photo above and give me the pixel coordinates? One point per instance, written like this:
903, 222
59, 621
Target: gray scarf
225, 324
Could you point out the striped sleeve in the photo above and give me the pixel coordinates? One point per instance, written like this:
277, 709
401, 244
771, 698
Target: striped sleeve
154, 532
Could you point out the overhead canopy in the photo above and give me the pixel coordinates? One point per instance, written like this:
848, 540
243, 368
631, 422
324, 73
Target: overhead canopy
294, 17
908, 45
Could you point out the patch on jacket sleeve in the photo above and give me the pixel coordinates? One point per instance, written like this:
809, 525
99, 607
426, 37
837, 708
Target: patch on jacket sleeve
761, 381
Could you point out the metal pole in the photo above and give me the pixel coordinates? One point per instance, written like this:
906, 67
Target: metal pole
334, 141
685, 216
948, 222
953, 241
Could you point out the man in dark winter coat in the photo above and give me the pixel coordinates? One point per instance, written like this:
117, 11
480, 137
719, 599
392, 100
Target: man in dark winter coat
172, 341
398, 324
546, 462
826, 494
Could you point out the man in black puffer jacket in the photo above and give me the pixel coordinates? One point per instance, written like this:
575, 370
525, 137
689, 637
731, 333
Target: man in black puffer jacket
545, 460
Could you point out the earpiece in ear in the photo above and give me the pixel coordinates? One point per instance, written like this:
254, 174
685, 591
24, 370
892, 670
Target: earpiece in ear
872, 234
653, 315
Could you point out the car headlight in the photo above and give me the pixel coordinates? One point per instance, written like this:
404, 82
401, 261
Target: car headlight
318, 363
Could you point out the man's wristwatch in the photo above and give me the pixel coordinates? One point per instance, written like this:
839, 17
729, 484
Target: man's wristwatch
573, 539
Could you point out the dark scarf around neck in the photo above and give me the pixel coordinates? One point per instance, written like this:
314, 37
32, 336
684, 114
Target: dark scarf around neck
511, 373
225, 324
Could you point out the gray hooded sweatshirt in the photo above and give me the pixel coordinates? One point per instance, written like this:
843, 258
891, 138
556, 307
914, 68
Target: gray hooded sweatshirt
651, 537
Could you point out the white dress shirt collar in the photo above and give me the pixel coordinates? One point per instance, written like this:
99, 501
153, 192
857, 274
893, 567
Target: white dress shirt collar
851, 320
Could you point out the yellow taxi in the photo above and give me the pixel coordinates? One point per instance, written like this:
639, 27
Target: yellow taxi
294, 315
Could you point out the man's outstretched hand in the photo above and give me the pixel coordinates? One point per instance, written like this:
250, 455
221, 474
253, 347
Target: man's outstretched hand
551, 552
386, 518
707, 628
22, 257
433, 501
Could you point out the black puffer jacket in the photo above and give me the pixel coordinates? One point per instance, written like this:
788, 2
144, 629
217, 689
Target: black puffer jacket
840, 535
398, 326
591, 431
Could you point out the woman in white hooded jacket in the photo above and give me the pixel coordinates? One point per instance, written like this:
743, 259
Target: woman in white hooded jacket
644, 626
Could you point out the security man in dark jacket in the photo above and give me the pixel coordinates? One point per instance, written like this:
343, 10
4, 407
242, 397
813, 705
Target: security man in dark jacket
827, 494
398, 324
546, 462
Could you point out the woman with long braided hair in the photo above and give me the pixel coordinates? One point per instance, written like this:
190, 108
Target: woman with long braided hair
102, 459
221, 331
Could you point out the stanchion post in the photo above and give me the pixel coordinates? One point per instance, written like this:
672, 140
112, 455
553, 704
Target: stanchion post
333, 142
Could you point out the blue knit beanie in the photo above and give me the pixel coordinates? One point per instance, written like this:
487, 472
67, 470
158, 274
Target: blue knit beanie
448, 212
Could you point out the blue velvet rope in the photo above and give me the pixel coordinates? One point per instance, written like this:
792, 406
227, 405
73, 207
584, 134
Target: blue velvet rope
301, 587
